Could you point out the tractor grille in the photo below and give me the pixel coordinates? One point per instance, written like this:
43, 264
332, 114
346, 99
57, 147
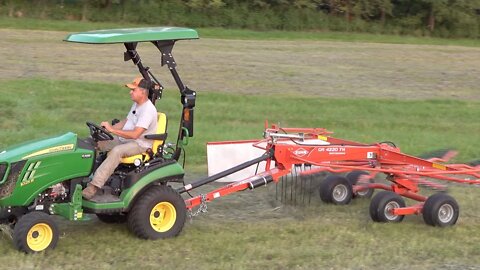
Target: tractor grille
7, 188
3, 169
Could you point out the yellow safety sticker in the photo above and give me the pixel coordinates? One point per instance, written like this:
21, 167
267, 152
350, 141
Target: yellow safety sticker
323, 138
439, 166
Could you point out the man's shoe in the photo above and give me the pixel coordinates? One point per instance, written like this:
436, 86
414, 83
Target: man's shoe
89, 191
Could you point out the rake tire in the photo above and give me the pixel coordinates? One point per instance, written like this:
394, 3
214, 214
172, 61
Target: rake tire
382, 203
353, 178
440, 210
336, 189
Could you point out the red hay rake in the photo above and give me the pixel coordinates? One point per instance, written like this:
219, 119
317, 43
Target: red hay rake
316, 151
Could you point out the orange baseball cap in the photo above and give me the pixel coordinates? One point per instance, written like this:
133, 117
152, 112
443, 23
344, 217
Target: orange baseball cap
139, 82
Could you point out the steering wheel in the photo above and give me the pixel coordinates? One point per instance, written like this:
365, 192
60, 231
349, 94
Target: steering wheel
99, 133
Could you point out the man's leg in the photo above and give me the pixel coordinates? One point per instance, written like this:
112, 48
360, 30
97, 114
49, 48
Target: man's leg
108, 166
102, 148
109, 144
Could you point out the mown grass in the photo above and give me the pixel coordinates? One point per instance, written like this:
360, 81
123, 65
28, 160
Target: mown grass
78, 26
316, 237
251, 230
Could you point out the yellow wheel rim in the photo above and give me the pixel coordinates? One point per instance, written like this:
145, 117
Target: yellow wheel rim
39, 237
163, 216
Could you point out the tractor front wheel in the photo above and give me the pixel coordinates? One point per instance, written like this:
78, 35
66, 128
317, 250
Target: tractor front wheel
382, 205
35, 232
440, 210
160, 212
336, 189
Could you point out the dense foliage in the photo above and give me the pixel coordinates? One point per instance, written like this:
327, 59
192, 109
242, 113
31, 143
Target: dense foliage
444, 18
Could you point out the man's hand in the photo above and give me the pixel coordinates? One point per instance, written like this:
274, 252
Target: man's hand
107, 126
127, 134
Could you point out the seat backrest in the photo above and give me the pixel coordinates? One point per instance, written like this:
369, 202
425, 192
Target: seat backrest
161, 129
157, 144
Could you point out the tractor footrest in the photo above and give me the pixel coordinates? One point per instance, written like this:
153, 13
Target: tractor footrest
105, 198
105, 195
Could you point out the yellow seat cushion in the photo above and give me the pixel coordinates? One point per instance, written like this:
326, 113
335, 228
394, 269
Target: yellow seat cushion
161, 129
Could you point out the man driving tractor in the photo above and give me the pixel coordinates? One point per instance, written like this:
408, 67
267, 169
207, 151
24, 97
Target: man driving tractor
129, 135
45, 177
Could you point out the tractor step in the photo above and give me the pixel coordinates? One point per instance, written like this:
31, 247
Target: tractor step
105, 195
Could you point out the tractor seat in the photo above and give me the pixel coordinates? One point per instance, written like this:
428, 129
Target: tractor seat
158, 141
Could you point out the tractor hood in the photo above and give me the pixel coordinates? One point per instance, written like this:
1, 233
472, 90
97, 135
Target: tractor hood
30, 168
65, 142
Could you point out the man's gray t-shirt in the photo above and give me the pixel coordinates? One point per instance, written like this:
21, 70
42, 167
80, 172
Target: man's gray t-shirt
144, 116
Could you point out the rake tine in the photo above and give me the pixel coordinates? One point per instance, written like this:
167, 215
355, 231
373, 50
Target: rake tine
281, 191
291, 184
310, 187
295, 188
276, 191
302, 186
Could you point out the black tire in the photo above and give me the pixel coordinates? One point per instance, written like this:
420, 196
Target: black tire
112, 218
440, 210
145, 219
382, 203
35, 232
336, 189
353, 179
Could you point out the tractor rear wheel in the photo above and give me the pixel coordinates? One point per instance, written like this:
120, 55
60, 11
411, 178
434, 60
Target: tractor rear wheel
35, 232
440, 210
382, 205
160, 212
336, 189
353, 178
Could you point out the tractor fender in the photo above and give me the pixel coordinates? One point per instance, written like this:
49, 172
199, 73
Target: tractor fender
157, 175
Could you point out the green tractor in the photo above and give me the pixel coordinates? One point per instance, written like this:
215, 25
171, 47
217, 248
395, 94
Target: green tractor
45, 177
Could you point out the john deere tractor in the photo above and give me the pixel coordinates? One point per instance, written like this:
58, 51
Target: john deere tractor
45, 177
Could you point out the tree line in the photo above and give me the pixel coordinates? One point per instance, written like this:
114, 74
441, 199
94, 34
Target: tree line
443, 18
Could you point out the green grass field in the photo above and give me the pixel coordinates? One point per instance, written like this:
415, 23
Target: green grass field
251, 229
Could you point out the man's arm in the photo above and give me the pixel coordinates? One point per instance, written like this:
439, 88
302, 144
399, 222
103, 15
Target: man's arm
120, 124
127, 134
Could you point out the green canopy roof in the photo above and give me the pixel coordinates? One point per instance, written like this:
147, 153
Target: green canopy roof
132, 35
